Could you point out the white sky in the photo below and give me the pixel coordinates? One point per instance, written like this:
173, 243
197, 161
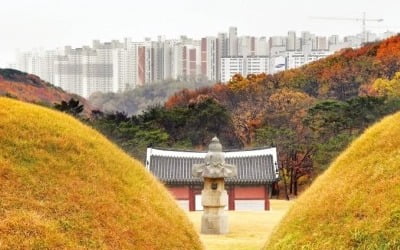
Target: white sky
27, 24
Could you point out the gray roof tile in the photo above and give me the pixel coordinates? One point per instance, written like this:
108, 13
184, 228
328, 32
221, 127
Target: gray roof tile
175, 167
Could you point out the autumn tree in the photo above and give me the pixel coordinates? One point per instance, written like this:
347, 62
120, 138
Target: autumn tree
284, 129
388, 87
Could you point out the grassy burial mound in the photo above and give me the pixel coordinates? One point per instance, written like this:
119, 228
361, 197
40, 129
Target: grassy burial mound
355, 204
63, 185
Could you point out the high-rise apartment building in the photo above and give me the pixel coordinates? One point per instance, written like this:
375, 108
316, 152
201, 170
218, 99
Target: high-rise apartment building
333, 40
291, 41
37, 62
193, 66
295, 59
125, 67
222, 51
68, 70
102, 70
86, 70
166, 60
277, 45
257, 65
261, 46
306, 38
243, 65
178, 61
184, 60
23, 61
247, 46
321, 43
230, 66
209, 58
233, 41
47, 65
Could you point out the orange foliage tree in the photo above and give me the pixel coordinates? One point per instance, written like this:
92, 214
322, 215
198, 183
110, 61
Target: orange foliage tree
284, 128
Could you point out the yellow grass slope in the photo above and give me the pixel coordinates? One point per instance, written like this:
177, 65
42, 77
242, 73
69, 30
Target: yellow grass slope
64, 186
355, 204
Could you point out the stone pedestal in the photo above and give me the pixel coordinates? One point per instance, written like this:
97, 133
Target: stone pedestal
214, 223
214, 200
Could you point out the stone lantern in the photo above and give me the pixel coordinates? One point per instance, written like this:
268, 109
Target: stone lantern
214, 195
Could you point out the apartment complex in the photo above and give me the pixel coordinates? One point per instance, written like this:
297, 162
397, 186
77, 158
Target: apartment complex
244, 66
117, 66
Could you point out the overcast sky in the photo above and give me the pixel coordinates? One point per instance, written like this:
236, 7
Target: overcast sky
27, 24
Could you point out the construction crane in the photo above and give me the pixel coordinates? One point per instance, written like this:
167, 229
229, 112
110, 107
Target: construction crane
363, 21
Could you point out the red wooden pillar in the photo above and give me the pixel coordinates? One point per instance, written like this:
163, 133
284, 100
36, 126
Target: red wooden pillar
192, 205
231, 198
266, 198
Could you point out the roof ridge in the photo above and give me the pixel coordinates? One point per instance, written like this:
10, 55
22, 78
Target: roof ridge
226, 150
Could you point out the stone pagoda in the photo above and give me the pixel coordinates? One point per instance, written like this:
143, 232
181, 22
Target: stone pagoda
214, 195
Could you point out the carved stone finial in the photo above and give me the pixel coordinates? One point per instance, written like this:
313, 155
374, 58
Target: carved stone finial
215, 145
214, 166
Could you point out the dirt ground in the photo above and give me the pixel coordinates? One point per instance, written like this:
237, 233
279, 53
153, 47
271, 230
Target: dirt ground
248, 229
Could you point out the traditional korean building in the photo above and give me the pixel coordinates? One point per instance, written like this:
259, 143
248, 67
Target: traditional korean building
250, 190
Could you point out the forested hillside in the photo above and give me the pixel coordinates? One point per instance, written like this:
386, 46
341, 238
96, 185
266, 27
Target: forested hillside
310, 113
30, 88
345, 75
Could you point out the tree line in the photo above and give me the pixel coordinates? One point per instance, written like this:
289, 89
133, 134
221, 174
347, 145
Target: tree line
306, 144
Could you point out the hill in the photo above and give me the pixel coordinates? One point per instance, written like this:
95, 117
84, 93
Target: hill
30, 88
64, 186
355, 203
346, 74
138, 99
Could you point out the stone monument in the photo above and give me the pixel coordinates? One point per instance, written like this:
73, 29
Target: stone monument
214, 195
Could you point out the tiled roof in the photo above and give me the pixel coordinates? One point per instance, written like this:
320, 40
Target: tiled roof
254, 166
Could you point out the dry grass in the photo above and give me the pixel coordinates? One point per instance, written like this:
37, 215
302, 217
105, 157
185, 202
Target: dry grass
64, 186
356, 203
247, 229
